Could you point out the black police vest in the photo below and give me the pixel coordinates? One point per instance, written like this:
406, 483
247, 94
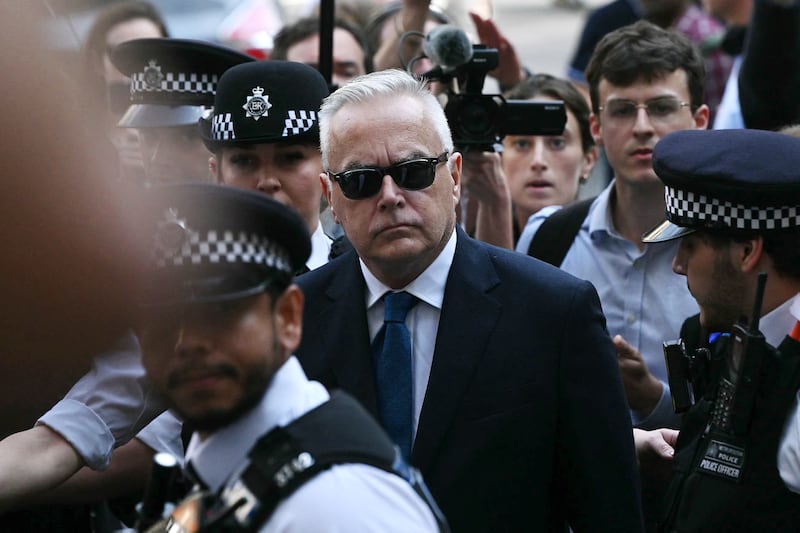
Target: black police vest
725, 484
337, 432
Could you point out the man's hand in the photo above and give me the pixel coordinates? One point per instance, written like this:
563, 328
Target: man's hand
641, 387
411, 17
509, 70
483, 183
655, 445
654, 452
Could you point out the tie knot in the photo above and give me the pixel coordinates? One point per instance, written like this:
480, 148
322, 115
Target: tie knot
397, 305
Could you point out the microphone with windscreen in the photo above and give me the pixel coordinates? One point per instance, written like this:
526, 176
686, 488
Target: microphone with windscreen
448, 47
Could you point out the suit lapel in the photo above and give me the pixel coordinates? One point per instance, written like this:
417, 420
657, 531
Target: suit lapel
345, 336
468, 318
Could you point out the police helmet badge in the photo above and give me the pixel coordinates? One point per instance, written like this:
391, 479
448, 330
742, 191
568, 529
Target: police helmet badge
152, 74
171, 235
257, 105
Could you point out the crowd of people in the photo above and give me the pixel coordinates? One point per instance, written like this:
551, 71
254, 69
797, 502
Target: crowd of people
341, 317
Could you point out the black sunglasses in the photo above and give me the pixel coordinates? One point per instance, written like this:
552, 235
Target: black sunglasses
413, 175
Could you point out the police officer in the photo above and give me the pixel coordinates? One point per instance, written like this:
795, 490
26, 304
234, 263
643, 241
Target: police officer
219, 320
733, 198
173, 82
264, 135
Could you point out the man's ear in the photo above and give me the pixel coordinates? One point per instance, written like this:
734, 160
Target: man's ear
594, 129
455, 173
325, 183
750, 253
288, 311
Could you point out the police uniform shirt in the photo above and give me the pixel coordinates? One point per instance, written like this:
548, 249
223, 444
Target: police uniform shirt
320, 248
789, 450
348, 497
422, 321
110, 405
642, 298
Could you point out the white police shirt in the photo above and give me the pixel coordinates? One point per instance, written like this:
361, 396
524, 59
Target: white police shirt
348, 497
320, 248
111, 404
789, 450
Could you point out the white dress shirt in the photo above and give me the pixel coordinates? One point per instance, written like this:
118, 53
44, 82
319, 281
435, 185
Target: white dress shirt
422, 321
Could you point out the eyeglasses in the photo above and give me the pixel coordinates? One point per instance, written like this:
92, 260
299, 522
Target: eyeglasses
412, 175
659, 110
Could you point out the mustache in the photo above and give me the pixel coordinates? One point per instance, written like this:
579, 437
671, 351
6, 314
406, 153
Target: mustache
194, 372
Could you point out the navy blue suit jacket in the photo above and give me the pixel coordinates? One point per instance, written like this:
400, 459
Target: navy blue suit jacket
524, 423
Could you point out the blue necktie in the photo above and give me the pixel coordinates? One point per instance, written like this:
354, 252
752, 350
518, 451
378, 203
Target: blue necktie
392, 356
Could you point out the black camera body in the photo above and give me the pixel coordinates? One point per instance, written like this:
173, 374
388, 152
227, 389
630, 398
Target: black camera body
480, 121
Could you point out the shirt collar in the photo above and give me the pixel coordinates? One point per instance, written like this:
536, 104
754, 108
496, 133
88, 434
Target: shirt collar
428, 286
776, 324
600, 219
289, 396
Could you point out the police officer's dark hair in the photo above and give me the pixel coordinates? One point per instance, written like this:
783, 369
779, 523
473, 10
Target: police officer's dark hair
643, 51
308, 26
560, 89
782, 246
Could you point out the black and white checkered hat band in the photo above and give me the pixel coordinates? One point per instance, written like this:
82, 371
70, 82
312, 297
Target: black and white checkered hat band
295, 123
222, 127
174, 82
298, 122
707, 211
215, 247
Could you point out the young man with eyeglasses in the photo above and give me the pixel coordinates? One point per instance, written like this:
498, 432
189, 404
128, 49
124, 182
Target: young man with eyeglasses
645, 82
500, 379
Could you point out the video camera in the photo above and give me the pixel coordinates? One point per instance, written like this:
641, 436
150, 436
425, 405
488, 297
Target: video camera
480, 121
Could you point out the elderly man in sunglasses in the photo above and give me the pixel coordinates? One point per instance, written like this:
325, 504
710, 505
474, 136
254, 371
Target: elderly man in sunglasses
492, 372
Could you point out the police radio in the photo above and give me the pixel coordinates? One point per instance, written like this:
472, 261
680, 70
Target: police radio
724, 444
739, 383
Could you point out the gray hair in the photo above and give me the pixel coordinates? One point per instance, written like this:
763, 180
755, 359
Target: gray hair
384, 83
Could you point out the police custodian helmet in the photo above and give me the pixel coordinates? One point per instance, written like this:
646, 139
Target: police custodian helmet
732, 180
173, 81
211, 243
266, 102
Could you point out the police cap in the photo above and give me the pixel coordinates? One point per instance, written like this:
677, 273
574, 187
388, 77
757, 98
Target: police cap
266, 102
173, 81
211, 243
733, 180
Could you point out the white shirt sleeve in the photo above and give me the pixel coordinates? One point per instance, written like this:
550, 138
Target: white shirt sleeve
789, 450
107, 406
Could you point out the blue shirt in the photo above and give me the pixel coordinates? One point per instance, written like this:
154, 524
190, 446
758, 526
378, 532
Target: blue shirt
642, 298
